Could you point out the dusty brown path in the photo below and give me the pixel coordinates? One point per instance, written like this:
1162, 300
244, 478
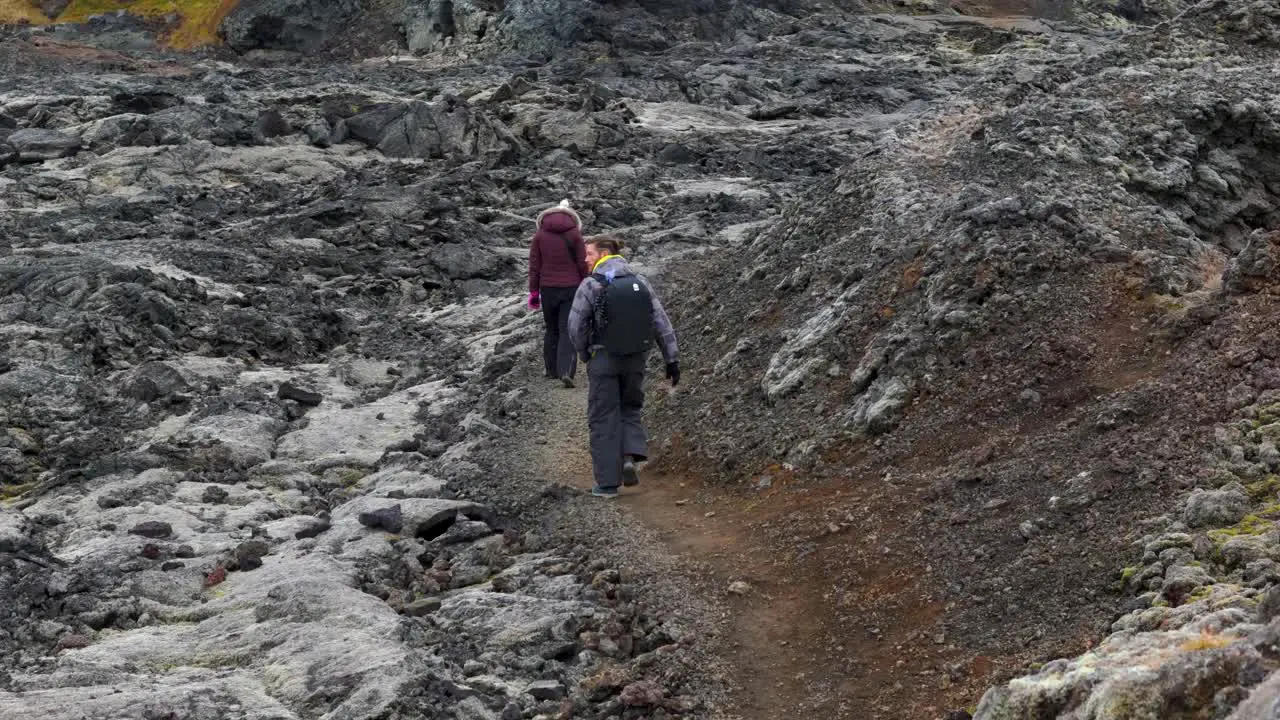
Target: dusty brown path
783, 645
770, 624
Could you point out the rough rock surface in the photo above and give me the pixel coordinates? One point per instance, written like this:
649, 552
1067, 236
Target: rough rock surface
1010, 334
993, 292
255, 326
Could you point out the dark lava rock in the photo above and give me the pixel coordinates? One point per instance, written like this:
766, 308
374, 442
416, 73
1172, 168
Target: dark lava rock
214, 495
297, 25
185, 551
312, 529
319, 132
152, 529
466, 532
249, 554
272, 124
676, 154
420, 608
37, 145
464, 262
170, 565
152, 381
151, 551
546, 690
289, 391
390, 519
106, 502
144, 102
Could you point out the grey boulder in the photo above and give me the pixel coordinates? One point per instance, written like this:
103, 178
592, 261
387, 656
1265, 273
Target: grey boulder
1216, 508
38, 145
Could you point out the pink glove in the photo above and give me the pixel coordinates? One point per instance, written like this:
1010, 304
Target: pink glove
535, 301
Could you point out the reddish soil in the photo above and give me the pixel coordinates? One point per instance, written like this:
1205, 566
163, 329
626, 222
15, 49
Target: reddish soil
899, 559
795, 647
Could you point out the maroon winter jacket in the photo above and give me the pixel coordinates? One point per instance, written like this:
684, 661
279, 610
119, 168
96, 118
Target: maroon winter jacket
550, 264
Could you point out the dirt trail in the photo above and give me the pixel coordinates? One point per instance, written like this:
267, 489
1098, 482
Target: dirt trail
771, 624
783, 644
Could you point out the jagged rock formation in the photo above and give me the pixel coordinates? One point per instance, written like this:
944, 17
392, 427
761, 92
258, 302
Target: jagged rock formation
255, 326
1014, 323
996, 280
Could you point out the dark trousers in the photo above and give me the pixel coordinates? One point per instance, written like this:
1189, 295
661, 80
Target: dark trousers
615, 402
558, 356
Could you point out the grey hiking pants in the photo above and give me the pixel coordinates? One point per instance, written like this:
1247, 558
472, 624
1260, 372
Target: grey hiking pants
615, 401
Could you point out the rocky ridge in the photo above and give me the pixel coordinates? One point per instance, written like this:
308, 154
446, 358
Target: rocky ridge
261, 323
256, 327
1029, 308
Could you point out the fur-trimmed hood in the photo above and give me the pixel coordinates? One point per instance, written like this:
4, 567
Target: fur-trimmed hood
556, 225
558, 252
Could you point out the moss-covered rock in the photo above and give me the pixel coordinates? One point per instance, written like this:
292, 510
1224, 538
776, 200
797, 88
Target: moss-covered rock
1215, 508
1240, 550
1139, 676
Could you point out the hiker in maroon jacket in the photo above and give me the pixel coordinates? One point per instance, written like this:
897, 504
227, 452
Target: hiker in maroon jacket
557, 263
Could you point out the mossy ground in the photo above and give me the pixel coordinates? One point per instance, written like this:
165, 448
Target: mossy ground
11, 493
1258, 523
196, 20
1264, 490
1269, 414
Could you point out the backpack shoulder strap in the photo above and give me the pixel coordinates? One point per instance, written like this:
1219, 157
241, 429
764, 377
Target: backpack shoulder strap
568, 245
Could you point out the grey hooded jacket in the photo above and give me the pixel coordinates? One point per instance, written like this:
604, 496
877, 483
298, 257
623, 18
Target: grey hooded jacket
581, 316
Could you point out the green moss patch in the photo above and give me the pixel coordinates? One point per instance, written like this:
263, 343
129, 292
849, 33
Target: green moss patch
13, 492
1258, 523
1265, 489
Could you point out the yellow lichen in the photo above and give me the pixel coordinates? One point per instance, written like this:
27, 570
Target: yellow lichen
351, 476
1207, 641
195, 22
16, 12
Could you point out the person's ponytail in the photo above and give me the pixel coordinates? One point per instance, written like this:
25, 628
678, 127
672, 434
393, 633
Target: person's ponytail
608, 244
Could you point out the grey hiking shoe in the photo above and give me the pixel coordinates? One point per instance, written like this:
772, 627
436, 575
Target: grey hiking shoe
630, 476
604, 492
568, 381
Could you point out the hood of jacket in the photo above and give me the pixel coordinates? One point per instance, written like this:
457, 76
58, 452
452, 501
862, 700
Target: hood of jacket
613, 267
559, 220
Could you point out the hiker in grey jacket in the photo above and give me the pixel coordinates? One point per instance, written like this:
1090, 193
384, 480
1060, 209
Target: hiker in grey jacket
613, 323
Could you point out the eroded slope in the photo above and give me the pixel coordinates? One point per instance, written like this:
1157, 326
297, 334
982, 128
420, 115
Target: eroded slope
1006, 335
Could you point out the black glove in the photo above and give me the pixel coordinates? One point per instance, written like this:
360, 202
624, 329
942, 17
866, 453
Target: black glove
673, 373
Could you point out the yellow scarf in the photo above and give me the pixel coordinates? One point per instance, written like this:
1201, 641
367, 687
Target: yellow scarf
603, 260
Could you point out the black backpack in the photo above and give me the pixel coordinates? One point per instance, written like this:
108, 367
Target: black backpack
623, 315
